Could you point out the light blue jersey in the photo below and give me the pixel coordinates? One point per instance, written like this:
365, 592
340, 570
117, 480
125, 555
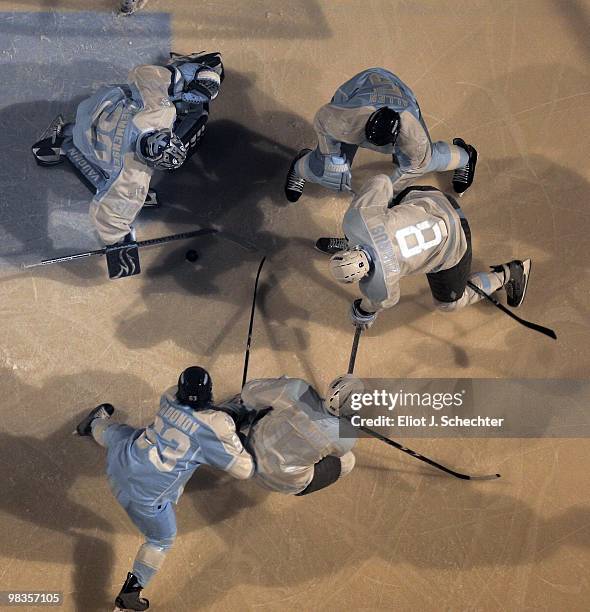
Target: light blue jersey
151, 466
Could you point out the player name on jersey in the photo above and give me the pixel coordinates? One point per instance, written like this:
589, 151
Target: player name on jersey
180, 419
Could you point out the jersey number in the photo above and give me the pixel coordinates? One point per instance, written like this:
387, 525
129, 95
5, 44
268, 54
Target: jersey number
417, 231
170, 455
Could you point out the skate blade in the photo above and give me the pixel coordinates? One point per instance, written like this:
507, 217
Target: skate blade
527, 264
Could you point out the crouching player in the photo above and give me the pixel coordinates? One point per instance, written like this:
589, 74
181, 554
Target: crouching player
376, 110
297, 441
148, 467
419, 231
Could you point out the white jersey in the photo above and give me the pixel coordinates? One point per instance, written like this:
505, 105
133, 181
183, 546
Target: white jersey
108, 126
294, 436
417, 233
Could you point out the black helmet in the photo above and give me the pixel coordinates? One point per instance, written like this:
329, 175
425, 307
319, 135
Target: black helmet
382, 127
194, 388
162, 150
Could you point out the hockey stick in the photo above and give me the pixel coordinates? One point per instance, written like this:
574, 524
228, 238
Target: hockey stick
355, 346
140, 244
247, 356
409, 451
397, 445
539, 328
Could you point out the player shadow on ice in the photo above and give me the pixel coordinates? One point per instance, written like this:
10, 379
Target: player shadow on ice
530, 200
235, 182
55, 505
217, 497
445, 524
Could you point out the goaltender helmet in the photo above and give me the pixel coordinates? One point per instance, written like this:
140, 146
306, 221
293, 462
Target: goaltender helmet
350, 266
195, 388
340, 392
162, 149
382, 127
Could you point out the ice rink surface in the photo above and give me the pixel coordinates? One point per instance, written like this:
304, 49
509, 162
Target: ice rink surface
513, 78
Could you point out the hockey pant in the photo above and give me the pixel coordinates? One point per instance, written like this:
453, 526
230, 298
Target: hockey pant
449, 287
328, 471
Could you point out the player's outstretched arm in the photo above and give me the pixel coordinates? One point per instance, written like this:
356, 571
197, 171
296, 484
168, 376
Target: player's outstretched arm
222, 447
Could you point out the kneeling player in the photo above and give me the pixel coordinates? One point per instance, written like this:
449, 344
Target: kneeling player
148, 468
376, 110
123, 133
294, 435
420, 231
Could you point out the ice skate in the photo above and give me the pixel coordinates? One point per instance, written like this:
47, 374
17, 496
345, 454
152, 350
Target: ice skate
463, 177
331, 245
104, 411
128, 7
294, 184
517, 272
128, 598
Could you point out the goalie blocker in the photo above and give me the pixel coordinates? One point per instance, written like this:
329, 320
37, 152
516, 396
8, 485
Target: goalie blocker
123, 258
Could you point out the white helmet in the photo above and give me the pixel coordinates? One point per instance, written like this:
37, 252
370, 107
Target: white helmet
340, 391
349, 266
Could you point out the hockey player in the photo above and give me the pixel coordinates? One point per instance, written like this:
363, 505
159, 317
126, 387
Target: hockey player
376, 110
420, 231
293, 434
128, 7
123, 133
149, 467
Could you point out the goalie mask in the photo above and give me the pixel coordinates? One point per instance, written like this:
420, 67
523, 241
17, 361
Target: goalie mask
383, 126
195, 388
349, 266
340, 392
162, 150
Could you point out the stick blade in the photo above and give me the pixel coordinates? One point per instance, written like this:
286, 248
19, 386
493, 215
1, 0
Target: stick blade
488, 477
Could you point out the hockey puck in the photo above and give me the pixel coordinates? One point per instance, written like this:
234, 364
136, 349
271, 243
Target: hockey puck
192, 255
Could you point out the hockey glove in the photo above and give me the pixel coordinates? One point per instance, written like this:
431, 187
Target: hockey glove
336, 174
359, 317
